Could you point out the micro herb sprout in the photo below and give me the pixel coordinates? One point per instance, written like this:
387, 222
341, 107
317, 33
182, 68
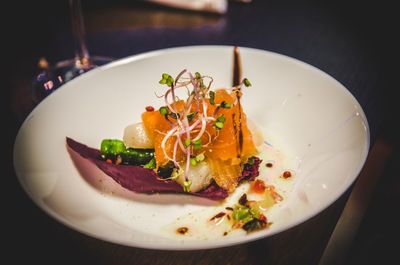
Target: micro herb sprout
188, 124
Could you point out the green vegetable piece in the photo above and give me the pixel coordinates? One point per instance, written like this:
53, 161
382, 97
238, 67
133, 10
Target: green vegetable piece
112, 147
242, 213
137, 156
165, 76
197, 75
193, 161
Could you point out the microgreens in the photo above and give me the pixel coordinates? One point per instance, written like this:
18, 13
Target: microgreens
225, 105
197, 144
190, 116
186, 185
164, 111
246, 82
187, 142
212, 97
166, 79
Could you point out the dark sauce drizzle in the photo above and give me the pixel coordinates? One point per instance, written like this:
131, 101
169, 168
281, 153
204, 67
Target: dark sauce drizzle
237, 73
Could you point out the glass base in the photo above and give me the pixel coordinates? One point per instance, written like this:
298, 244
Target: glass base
52, 77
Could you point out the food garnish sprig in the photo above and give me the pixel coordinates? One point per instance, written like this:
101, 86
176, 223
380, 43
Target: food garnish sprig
189, 126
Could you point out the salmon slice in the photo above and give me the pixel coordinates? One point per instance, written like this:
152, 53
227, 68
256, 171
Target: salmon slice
225, 174
224, 150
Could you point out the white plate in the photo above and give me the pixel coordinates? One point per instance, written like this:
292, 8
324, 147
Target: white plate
304, 112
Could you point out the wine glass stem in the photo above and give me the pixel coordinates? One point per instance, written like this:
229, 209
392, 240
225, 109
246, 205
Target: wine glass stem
78, 30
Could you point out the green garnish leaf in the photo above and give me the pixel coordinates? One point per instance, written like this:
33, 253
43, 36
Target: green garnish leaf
212, 97
197, 75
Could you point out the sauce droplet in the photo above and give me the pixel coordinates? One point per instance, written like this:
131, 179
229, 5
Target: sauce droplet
269, 165
149, 108
182, 230
287, 174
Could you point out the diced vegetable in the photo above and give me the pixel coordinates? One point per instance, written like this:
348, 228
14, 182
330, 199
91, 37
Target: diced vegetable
112, 147
136, 156
115, 149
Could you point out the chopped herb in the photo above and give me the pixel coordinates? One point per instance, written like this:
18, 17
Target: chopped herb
163, 111
225, 105
242, 213
212, 97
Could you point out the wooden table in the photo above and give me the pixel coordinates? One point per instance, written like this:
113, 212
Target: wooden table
334, 37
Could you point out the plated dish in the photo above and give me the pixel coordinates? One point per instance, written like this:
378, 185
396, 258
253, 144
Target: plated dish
305, 133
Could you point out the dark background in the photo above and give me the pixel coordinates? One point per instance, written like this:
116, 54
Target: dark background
354, 41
